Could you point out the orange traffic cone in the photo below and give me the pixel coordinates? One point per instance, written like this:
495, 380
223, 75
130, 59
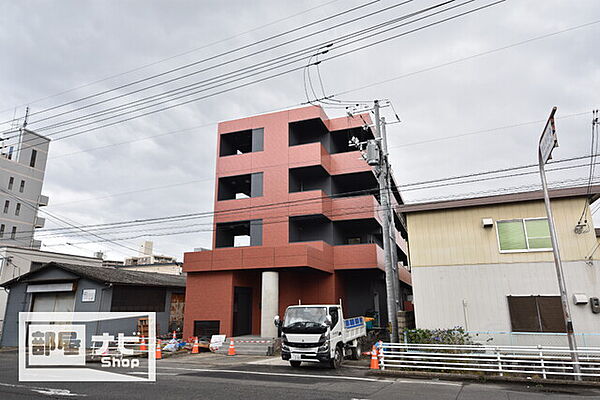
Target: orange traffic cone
143, 346
231, 351
195, 348
158, 350
374, 359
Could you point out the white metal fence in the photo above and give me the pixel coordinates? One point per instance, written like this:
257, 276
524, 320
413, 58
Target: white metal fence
491, 338
539, 361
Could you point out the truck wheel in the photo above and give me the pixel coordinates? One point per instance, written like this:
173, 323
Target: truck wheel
356, 352
295, 364
337, 359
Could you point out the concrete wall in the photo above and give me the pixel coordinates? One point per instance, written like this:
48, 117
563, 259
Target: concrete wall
439, 293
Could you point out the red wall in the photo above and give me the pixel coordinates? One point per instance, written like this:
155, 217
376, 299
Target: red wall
208, 296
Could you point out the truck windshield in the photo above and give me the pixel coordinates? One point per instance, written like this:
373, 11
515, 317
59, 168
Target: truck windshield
305, 319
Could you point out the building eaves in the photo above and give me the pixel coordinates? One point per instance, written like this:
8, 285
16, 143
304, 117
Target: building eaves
579, 191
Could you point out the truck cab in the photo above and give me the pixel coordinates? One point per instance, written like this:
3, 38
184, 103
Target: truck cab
319, 333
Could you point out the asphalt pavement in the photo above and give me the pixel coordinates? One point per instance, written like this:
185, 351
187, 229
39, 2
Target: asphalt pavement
212, 376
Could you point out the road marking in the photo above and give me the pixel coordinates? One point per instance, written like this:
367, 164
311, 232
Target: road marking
279, 362
232, 371
353, 378
46, 391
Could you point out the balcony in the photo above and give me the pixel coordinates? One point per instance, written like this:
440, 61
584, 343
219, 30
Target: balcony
43, 200
39, 222
312, 255
358, 256
357, 207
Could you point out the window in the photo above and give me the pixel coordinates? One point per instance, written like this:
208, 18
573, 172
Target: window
333, 311
242, 142
18, 209
529, 234
13, 232
11, 182
536, 314
6, 206
11, 149
22, 187
2, 227
239, 234
33, 157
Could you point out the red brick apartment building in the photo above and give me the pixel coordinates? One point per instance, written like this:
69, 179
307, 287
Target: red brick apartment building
296, 220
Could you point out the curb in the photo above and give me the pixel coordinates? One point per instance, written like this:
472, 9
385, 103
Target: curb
484, 378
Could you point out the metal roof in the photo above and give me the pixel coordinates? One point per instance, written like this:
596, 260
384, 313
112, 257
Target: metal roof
112, 275
579, 191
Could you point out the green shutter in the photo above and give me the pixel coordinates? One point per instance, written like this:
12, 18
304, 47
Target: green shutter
538, 233
511, 235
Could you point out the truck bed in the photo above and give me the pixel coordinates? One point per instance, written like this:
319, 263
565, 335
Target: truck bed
354, 328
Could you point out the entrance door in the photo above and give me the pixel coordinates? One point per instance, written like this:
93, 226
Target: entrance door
242, 311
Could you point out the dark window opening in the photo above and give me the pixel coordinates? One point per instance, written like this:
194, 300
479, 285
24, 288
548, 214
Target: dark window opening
309, 228
357, 231
6, 206
335, 317
11, 182
33, 158
18, 209
308, 131
13, 232
356, 184
131, 298
205, 329
340, 140
309, 178
22, 186
248, 141
240, 186
536, 314
239, 234
11, 150
2, 228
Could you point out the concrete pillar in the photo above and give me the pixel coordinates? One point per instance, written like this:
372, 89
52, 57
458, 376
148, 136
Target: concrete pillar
269, 303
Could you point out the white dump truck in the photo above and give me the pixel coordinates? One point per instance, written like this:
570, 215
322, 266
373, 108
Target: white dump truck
319, 333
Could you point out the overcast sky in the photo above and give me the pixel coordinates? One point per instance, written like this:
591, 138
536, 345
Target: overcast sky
120, 173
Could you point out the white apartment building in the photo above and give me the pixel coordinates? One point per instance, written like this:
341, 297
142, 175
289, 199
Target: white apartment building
23, 156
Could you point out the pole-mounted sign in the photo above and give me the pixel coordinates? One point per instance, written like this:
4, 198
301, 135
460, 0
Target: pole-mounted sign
548, 142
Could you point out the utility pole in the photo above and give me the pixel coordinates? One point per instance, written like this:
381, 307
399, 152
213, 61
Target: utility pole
384, 179
392, 233
548, 142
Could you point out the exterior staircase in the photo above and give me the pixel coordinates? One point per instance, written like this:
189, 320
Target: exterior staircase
250, 345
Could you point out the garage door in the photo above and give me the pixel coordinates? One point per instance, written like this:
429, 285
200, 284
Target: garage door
54, 302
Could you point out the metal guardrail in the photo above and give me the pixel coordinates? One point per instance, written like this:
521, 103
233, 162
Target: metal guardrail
542, 361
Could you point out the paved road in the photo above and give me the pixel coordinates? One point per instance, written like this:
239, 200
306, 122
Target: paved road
209, 376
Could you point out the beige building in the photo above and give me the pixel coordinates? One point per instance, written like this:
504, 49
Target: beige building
486, 264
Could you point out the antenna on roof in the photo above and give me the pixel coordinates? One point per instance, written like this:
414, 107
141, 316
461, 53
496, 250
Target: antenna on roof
26, 116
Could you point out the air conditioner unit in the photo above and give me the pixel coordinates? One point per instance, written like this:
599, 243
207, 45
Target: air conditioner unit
487, 222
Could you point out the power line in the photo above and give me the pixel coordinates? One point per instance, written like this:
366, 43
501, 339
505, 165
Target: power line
307, 51
287, 203
277, 74
228, 52
170, 57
